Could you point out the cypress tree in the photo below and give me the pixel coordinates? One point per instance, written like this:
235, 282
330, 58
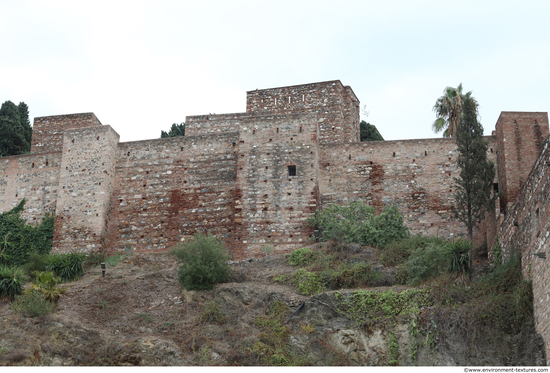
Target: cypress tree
26, 124
12, 133
473, 196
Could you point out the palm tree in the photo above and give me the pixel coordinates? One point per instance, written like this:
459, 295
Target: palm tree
448, 109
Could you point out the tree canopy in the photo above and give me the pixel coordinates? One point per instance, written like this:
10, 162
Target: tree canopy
15, 129
368, 132
175, 130
473, 196
448, 109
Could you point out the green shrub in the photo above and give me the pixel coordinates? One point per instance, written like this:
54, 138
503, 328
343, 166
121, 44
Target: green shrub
11, 281
427, 262
301, 257
204, 262
308, 283
45, 283
67, 266
349, 275
398, 251
31, 304
357, 223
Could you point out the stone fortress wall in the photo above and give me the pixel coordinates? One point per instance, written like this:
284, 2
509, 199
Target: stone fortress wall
254, 178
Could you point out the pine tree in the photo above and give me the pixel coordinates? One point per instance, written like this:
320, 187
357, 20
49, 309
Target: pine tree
473, 196
175, 130
368, 132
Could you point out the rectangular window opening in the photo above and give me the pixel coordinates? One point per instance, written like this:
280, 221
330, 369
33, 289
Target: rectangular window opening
291, 170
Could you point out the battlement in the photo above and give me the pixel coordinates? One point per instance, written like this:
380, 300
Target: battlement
336, 106
47, 132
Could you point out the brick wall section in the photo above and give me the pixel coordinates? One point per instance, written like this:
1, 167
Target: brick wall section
34, 177
416, 175
47, 132
271, 206
336, 106
526, 229
85, 186
520, 137
168, 189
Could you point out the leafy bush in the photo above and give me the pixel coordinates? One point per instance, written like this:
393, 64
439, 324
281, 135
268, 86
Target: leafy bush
357, 223
45, 283
31, 304
11, 281
427, 262
301, 257
18, 239
67, 266
204, 262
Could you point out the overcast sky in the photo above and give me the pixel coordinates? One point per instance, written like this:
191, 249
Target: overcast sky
142, 65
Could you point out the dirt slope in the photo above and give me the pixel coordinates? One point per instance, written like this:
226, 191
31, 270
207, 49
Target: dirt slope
139, 315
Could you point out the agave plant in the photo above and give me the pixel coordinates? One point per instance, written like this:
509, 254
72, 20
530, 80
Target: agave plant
11, 281
460, 258
4, 244
67, 266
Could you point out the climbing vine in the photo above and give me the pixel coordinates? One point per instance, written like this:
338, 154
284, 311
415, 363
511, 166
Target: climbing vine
19, 239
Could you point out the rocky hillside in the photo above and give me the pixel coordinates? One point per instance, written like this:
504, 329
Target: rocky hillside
139, 315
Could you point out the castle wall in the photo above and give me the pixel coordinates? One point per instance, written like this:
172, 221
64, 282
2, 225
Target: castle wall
520, 137
526, 230
336, 106
416, 175
199, 125
34, 177
254, 178
168, 189
85, 186
47, 132
271, 205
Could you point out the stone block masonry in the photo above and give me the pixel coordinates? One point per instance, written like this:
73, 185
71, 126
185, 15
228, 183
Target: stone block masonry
254, 178
85, 185
34, 177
